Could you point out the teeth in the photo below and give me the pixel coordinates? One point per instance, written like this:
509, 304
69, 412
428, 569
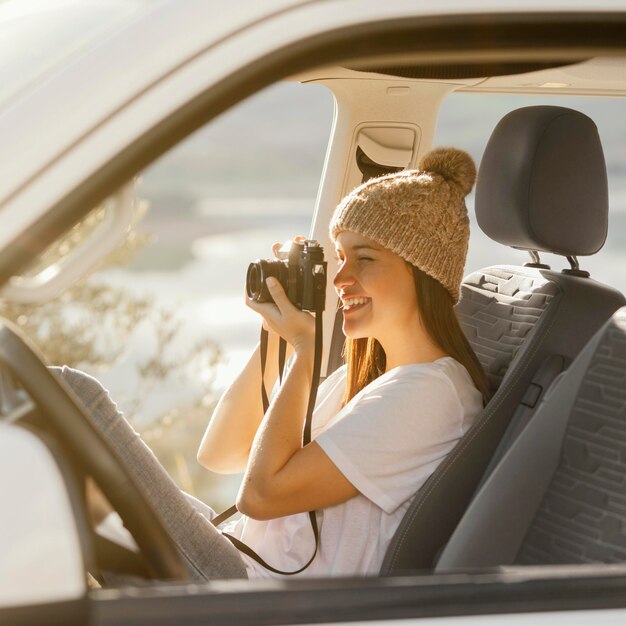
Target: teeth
350, 302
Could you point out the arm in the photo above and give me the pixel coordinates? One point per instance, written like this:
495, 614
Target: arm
282, 477
226, 444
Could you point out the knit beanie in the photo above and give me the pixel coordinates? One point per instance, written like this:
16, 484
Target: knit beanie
418, 214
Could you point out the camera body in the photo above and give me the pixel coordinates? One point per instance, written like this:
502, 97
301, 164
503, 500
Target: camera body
301, 271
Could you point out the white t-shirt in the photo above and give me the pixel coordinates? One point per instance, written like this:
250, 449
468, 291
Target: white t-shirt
386, 441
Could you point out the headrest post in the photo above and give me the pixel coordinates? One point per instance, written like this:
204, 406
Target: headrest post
575, 268
535, 261
573, 261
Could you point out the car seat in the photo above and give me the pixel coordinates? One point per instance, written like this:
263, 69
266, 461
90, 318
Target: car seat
541, 187
558, 495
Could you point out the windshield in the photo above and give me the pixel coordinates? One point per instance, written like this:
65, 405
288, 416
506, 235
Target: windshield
37, 36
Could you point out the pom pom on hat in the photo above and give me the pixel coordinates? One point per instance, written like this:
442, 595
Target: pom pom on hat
453, 165
418, 214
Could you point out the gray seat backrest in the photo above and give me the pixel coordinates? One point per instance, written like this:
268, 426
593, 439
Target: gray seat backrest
559, 494
526, 324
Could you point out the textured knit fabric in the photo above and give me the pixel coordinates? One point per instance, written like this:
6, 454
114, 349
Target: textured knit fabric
418, 214
208, 553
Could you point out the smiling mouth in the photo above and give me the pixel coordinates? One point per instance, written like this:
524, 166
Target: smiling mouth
353, 304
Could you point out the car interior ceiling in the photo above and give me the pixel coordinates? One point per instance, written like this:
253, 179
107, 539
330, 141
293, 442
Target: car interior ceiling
588, 74
459, 71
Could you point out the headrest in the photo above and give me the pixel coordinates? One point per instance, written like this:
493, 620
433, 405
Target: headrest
542, 182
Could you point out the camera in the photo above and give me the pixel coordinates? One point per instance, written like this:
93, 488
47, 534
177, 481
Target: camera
301, 270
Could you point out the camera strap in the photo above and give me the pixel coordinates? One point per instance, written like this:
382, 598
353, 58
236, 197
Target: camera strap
306, 439
282, 352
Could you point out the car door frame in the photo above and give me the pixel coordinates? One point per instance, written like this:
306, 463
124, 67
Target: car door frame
182, 112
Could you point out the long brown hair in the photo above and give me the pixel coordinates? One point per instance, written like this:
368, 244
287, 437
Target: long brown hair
366, 358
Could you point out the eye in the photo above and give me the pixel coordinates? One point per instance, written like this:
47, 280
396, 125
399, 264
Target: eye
365, 258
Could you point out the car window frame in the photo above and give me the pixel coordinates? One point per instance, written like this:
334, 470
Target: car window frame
306, 601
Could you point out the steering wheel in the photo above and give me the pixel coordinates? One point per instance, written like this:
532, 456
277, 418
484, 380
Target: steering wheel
68, 420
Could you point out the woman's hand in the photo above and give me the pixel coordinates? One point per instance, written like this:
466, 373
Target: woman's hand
282, 317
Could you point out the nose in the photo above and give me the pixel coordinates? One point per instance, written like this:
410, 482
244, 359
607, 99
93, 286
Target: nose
343, 277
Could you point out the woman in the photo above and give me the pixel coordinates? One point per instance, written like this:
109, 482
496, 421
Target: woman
411, 388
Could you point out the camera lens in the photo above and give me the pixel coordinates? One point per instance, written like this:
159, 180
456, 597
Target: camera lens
258, 272
254, 282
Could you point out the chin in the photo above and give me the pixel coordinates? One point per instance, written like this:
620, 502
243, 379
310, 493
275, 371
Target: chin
354, 333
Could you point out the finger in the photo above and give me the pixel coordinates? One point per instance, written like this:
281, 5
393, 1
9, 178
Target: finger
278, 294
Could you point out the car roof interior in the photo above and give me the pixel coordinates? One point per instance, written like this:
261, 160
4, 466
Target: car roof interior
603, 76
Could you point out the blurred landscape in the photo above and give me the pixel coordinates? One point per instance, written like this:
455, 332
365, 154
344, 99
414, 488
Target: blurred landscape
218, 201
